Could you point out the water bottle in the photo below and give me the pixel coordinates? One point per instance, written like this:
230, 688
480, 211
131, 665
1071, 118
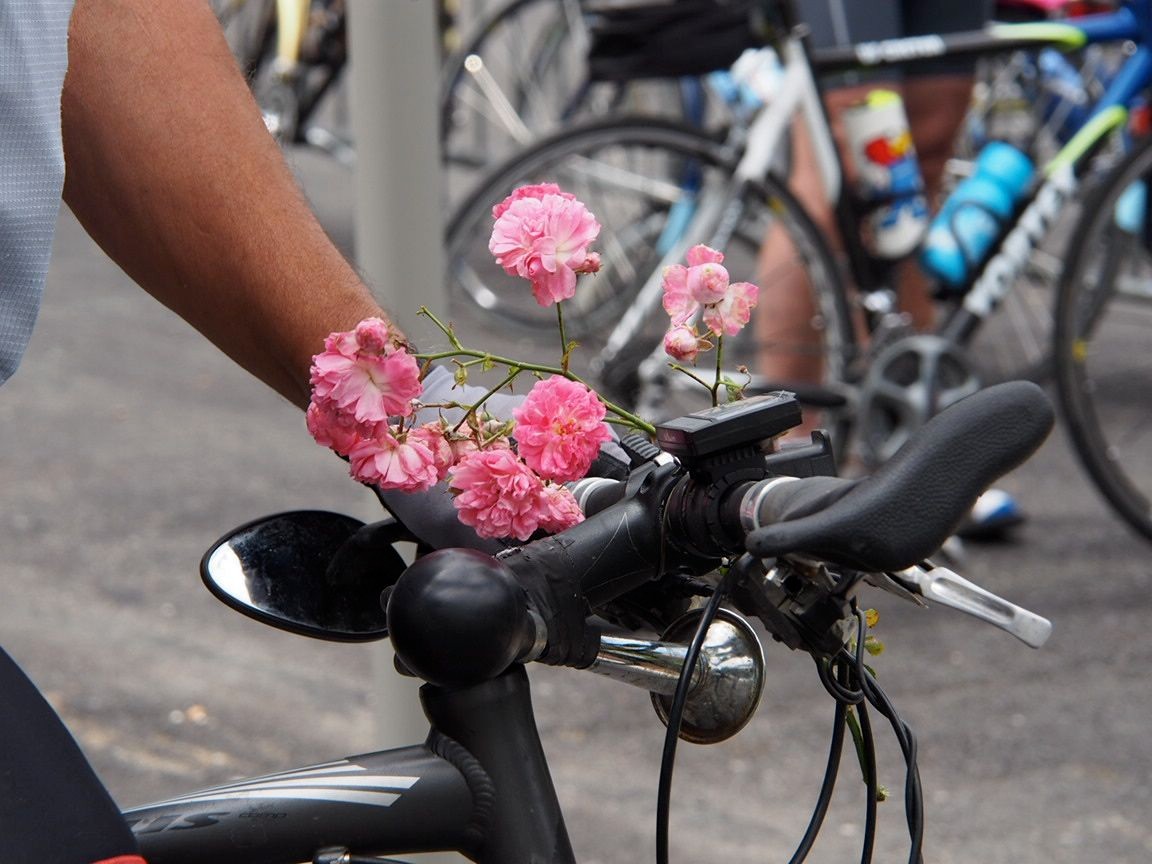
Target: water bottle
889, 173
975, 214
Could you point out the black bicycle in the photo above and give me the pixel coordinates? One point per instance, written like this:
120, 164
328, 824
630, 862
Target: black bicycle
698, 535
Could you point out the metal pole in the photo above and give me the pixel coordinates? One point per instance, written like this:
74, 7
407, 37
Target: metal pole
395, 73
394, 65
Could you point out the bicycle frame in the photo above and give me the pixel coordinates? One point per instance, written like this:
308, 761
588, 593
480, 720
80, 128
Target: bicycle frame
1133, 21
798, 94
1062, 175
479, 785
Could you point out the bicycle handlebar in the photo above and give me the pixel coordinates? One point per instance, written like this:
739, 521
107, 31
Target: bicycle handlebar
901, 514
458, 616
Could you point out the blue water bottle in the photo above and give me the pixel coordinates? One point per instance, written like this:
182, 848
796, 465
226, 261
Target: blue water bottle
974, 215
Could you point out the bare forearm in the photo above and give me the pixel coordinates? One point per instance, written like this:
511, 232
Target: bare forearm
171, 171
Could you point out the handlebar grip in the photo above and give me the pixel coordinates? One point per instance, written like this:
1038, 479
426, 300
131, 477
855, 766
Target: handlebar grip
909, 507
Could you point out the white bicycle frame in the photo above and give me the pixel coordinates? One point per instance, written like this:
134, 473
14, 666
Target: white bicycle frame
794, 92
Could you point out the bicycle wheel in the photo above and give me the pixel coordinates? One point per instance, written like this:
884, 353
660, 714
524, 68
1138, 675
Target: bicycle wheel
1103, 322
644, 179
520, 73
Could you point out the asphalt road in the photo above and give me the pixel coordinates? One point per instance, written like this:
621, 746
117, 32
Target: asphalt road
130, 446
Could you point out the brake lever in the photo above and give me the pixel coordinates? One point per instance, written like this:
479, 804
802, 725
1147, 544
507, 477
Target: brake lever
950, 589
887, 582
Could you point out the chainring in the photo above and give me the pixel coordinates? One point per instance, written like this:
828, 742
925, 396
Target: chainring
911, 379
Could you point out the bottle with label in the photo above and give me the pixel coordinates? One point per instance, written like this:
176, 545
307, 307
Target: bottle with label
889, 173
974, 216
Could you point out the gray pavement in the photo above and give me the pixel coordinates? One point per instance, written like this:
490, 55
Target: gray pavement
130, 445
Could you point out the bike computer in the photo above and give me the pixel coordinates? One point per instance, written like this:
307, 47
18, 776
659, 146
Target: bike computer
731, 426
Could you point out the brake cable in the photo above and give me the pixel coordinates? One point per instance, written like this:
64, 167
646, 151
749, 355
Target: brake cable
874, 695
852, 685
676, 711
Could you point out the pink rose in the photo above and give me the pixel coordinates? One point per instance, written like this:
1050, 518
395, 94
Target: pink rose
559, 428
386, 462
729, 316
707, 283
434, 437
542, 235
678, 301
370, 387
497, 494
330, 428
374, 337
704, 285
681, 344
559, 509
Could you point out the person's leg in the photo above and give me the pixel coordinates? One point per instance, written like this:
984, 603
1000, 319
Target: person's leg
936, 105
786, 323
935, 101
937, 96
53, 809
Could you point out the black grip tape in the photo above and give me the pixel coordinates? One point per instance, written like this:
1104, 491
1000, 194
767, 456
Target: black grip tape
910, 506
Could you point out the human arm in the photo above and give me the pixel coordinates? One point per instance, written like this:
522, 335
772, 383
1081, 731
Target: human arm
171, 171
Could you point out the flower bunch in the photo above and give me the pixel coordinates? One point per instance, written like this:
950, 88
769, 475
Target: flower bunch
507, 476
366, 390
363, 379
559, 429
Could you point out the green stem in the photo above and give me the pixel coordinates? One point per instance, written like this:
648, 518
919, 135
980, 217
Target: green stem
492, 391
563, 338
444, 328
458, 350
719, 366
676, 367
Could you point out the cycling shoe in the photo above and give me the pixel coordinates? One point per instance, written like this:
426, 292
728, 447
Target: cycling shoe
991, 517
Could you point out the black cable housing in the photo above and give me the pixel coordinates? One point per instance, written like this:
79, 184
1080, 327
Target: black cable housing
827, 786
676, 713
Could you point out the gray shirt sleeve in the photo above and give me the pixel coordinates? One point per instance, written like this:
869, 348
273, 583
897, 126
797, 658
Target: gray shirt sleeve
33, 59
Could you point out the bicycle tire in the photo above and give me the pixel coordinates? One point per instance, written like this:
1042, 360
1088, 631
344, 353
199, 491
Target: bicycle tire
534, 54
631, 173
1103, 318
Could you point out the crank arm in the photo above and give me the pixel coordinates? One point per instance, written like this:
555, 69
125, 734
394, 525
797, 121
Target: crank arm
949, 589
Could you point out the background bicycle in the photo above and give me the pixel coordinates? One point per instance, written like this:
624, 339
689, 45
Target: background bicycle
512, 70
169, 692
1103, 319
654, 179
